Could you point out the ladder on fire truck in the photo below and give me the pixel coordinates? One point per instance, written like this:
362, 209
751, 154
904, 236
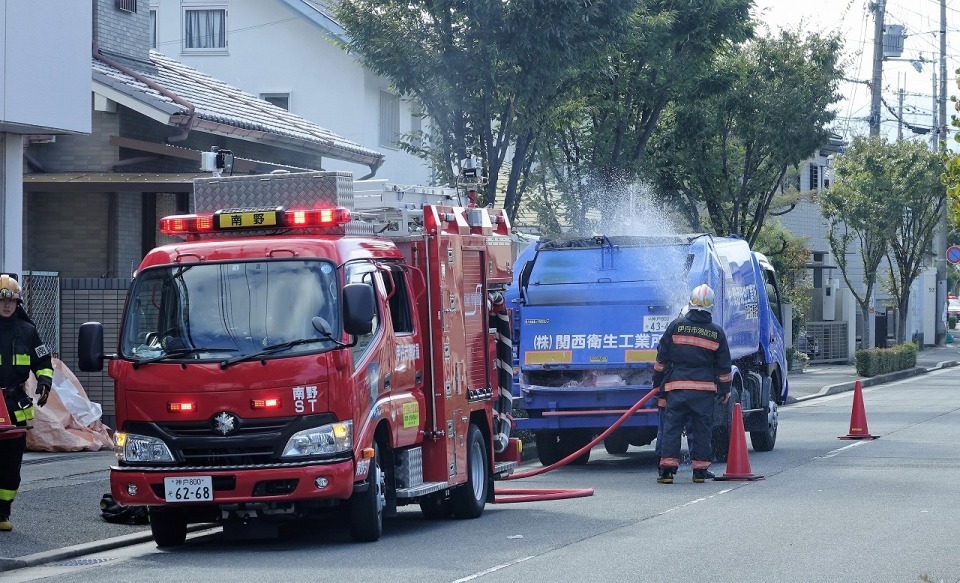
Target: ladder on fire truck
397, 210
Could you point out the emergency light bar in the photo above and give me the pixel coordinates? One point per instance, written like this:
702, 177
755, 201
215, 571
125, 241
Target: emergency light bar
240, 219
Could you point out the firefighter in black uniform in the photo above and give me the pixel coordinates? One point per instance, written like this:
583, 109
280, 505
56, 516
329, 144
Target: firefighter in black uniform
692, 369
21, 351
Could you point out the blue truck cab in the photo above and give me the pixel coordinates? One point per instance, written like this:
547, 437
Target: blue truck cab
588, 314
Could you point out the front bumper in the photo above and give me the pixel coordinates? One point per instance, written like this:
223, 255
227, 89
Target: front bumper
137, 486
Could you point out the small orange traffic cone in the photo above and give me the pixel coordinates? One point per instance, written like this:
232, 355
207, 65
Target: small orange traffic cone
7, 429
858, 417
738, 464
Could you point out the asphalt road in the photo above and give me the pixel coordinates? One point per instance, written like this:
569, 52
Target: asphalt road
58, 527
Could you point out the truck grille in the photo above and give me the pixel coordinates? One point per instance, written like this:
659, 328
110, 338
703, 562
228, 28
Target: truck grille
226, 456
246, 427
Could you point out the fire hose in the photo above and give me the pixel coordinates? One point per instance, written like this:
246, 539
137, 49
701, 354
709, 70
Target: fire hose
514, 495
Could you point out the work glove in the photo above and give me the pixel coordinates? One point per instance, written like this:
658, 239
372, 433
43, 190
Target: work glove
43, 393
724, 398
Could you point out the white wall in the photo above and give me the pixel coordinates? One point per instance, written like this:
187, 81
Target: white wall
273, 49
45, 66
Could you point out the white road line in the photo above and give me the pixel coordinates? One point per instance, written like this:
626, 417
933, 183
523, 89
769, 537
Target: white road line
492, 570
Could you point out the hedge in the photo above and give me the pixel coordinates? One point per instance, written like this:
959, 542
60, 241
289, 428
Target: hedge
873, 361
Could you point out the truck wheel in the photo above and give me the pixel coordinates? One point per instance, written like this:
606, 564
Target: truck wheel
765, 440
366, 508
723, 421
571, 442
469, 499
436, 506
548, 447
616, 443
168, 526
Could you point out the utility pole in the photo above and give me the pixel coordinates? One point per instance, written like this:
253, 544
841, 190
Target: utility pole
940, 236
900, 114
878, 8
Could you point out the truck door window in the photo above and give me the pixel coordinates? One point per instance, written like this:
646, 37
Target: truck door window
399, 301
773, 293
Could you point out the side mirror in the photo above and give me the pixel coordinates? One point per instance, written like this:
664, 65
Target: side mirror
90, 347
359, 309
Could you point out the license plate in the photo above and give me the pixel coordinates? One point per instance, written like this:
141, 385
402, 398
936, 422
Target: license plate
656, 323
188, 489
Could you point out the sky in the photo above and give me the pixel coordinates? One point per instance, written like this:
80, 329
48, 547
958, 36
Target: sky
854, 21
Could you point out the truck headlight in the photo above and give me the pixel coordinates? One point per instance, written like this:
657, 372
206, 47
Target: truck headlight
130, 447
326, 439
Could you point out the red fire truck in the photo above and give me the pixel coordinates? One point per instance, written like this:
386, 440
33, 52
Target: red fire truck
286, 358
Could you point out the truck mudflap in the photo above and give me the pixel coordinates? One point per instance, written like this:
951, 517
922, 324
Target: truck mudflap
583, 407
159, 486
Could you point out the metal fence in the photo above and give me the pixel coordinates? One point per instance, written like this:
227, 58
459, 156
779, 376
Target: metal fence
831, 340
40, 291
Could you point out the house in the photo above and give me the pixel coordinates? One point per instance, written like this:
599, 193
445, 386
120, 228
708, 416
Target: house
285, 52
91, 202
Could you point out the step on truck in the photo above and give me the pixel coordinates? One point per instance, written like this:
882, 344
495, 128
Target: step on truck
305, 349
588, 314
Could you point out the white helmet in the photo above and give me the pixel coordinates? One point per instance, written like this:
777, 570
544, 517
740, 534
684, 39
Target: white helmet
701, 298
9, 288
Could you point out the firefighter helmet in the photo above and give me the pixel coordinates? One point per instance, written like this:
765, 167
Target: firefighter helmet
9, 288
701, 298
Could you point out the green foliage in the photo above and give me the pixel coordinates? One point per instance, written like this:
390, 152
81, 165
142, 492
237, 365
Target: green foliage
486, 72
788, 255
874, 361
764, 108
951, 322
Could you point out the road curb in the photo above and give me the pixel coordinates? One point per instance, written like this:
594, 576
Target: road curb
876, 380
66, 553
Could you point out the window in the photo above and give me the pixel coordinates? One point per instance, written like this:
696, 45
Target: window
153, 27
399, 300
389, 120
204, 29
363, 273
127, 5
814, 177
281, 100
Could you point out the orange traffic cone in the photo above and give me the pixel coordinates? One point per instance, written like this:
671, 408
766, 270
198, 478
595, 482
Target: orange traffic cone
7, 429
858, 417
738, 464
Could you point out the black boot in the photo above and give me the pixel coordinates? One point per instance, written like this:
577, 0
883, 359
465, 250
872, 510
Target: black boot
699, 476
666, 476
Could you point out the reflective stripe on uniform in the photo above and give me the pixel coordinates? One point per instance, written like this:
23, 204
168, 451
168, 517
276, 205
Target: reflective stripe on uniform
725, 378
45, 372
699, 464
669, 462
24, 414
7, 495
659, 366
21, 360
690, 386
696, 341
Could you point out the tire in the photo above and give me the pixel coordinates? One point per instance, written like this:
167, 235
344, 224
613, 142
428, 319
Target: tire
366, 508
436, 506
616, 443
548, 447
470, 498
723, 420
168, 526
765, 440
570, 442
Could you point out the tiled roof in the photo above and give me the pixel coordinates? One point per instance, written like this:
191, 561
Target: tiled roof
222, 109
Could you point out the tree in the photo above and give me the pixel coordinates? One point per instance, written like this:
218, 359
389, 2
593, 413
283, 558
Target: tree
920, 196
595, 143
788, 255
765, 108
487, 72
860, 206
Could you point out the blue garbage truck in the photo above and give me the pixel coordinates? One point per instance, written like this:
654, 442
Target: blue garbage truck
588, 313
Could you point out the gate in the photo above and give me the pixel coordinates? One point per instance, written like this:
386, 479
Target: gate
40, 291
832, 339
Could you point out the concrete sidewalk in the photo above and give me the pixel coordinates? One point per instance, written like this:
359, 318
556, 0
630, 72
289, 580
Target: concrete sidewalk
56, 514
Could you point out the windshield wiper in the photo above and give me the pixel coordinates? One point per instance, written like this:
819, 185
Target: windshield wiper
271, 349
178, 352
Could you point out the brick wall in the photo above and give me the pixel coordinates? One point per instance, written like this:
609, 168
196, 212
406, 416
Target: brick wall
119, 32
81, 153
92, 300
67, 233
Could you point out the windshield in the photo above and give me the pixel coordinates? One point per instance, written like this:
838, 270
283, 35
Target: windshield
224, 310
